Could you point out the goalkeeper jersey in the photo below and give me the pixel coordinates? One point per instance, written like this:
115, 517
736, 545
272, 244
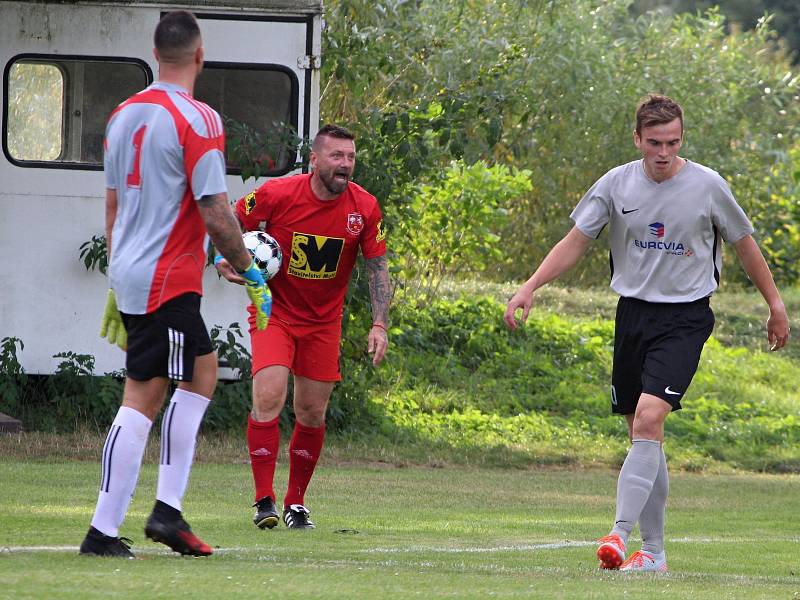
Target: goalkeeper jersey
320, 240
666, 238
163, 152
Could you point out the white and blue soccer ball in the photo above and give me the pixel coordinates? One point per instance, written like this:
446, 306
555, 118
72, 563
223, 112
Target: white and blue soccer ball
265, 252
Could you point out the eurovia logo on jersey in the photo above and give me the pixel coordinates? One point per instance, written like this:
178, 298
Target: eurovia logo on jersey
658, 231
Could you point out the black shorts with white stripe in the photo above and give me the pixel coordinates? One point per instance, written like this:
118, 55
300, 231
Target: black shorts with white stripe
165, 343
657, 349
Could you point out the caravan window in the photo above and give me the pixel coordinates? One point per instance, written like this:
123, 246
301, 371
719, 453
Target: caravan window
57, 107
57, 110
35, 122
258, 104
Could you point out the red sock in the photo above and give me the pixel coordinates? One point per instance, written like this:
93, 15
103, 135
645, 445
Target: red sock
304, 451
263, 440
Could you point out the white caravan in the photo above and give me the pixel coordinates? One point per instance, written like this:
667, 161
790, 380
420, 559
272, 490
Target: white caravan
66, 65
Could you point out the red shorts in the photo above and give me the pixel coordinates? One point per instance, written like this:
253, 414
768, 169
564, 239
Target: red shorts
310, 351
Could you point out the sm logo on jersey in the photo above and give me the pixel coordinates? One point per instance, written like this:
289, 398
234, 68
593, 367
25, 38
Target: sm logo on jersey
315, 256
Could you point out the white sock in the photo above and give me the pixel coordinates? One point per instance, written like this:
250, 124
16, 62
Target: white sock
635, 483
122, 459
651, 521
179, 428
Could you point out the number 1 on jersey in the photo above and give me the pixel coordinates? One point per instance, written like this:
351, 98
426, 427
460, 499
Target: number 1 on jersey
135, 177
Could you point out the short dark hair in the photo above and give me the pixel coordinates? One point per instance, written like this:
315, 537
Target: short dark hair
657, 110
176, 35
333, 131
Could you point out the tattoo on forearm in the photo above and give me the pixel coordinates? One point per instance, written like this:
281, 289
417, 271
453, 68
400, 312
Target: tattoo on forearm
223, 228
379, 288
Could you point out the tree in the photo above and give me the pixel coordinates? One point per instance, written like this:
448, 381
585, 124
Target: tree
551, 87
741, 14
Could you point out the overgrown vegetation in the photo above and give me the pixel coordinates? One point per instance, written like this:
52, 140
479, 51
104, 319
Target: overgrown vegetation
71, 398
784, 15
551, 87
459, 379
457, 384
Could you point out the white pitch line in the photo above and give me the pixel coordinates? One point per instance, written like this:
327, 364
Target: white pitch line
407, 549
733, 540
478, 550
20, 549
74, 550
414, 549
565, 544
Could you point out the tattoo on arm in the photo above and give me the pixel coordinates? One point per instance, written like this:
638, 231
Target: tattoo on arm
223, 228
379, 288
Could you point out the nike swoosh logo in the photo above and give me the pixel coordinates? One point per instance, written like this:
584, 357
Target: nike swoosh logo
670, 392
625, 212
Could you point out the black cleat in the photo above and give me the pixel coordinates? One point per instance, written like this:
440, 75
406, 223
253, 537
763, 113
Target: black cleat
266, 513
296, 517
166, 525
97, 543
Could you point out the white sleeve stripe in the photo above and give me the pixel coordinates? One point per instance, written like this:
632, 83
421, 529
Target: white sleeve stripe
203, 113
209, 117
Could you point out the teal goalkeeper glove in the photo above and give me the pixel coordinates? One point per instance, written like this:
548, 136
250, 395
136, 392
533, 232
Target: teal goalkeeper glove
259, 294
112, 328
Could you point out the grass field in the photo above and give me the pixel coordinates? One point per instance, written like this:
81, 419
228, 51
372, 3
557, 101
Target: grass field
416, 517
405, 532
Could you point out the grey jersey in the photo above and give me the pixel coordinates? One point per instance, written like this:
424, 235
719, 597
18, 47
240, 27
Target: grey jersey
164, 151
666, 238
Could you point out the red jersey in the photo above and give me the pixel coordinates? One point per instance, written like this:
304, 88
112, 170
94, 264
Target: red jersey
319, 239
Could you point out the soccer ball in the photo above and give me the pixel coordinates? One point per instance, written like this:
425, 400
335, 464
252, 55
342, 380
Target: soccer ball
265, 252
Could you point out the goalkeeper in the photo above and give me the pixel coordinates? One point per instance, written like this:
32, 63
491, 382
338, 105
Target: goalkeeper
165, 194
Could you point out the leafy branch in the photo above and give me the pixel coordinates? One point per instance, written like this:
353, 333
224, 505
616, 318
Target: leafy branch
94, 254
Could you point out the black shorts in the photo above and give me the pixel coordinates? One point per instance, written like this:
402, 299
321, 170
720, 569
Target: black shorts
165, 343
657, 348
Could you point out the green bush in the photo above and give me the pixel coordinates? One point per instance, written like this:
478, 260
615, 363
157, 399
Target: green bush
456, 381
452, 226
456, 378
69, 399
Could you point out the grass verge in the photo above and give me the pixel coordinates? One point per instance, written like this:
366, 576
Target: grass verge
386, 532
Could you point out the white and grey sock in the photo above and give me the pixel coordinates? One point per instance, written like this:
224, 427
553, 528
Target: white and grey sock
122, 460
651, 521
635, 484
179, 428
